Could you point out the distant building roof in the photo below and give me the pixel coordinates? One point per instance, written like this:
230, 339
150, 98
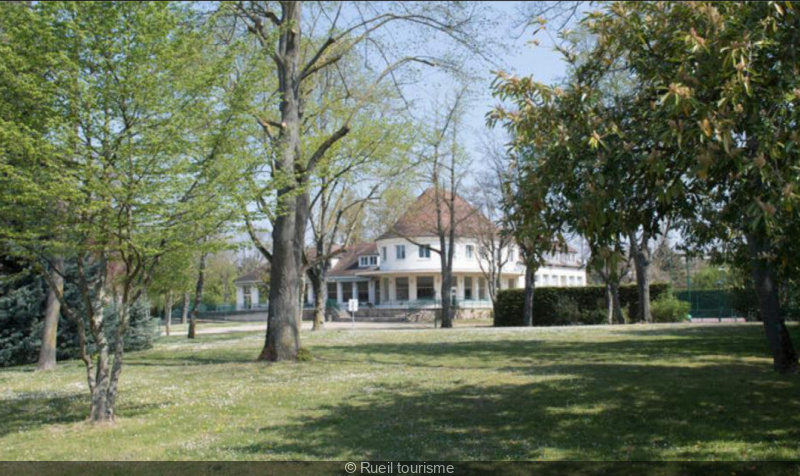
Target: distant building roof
347, 264
254, 276
421, 218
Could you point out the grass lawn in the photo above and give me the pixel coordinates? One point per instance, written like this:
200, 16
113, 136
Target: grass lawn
621, 393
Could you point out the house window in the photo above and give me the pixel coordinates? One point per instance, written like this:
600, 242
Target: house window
385, 289
363, 291
424, 251
563, 280
470, 250
482, 291
347, 292
425, 287
378, 291
400, 251
364, 261
332, 294
511, 254
383, 253
401, 288
512, 283
468, 287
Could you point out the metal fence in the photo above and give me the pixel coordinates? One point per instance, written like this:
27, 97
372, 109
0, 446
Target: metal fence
712, 303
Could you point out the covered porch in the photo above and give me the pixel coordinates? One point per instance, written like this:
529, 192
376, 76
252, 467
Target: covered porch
419, 290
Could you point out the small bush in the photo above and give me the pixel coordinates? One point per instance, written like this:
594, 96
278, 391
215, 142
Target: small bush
593, 317
668, 308
304, 355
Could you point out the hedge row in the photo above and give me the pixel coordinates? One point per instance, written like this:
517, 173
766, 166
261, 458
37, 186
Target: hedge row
554, 306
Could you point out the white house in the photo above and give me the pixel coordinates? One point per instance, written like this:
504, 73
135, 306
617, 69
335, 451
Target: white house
401, 268
247, 290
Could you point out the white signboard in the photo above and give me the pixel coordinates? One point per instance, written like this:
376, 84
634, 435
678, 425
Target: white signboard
352, 305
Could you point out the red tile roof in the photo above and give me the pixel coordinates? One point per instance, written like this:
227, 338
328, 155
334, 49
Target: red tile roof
420, 219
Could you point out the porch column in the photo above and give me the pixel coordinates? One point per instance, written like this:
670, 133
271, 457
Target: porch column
371, 290
391, 291
412, 288
355, 289
254, 295
339, 292
309, 294
476, 287
459, 287
239, 297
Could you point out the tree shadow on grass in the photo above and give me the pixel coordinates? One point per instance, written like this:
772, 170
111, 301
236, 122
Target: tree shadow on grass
30, 410
688, 344
618, 400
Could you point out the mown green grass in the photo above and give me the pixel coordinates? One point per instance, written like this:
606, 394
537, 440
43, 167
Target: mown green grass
623, 393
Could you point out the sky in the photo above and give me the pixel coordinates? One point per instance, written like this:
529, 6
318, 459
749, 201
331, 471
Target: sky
519, 57
523, 58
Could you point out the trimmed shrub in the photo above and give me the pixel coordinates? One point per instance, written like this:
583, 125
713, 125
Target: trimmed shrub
552, 305
668, 308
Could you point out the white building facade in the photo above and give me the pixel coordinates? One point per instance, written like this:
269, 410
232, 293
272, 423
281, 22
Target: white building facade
402, 268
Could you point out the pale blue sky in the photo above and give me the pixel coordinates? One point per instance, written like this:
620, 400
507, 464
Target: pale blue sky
517, 55
523, 58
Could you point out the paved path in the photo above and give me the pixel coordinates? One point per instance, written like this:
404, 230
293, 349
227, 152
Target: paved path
328, 326
362, 326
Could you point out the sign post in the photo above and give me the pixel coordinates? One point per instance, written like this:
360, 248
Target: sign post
352, 306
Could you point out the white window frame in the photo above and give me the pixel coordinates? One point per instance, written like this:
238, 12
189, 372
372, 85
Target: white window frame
469, 252
424, 251
367, 260
400, 251
383, 253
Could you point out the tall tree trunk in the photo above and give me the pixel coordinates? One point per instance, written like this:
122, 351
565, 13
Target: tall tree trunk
320, 297
168, 311
119, 348
47, 353
784, 357
100, 410
447, 307
616, 306
609, 303
198, 296
530, 285
288, 233
641, 260
185, 308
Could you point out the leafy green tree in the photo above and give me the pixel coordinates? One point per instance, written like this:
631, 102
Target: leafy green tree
300, 41
143, 157
705, 134
723, 84
28, 110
